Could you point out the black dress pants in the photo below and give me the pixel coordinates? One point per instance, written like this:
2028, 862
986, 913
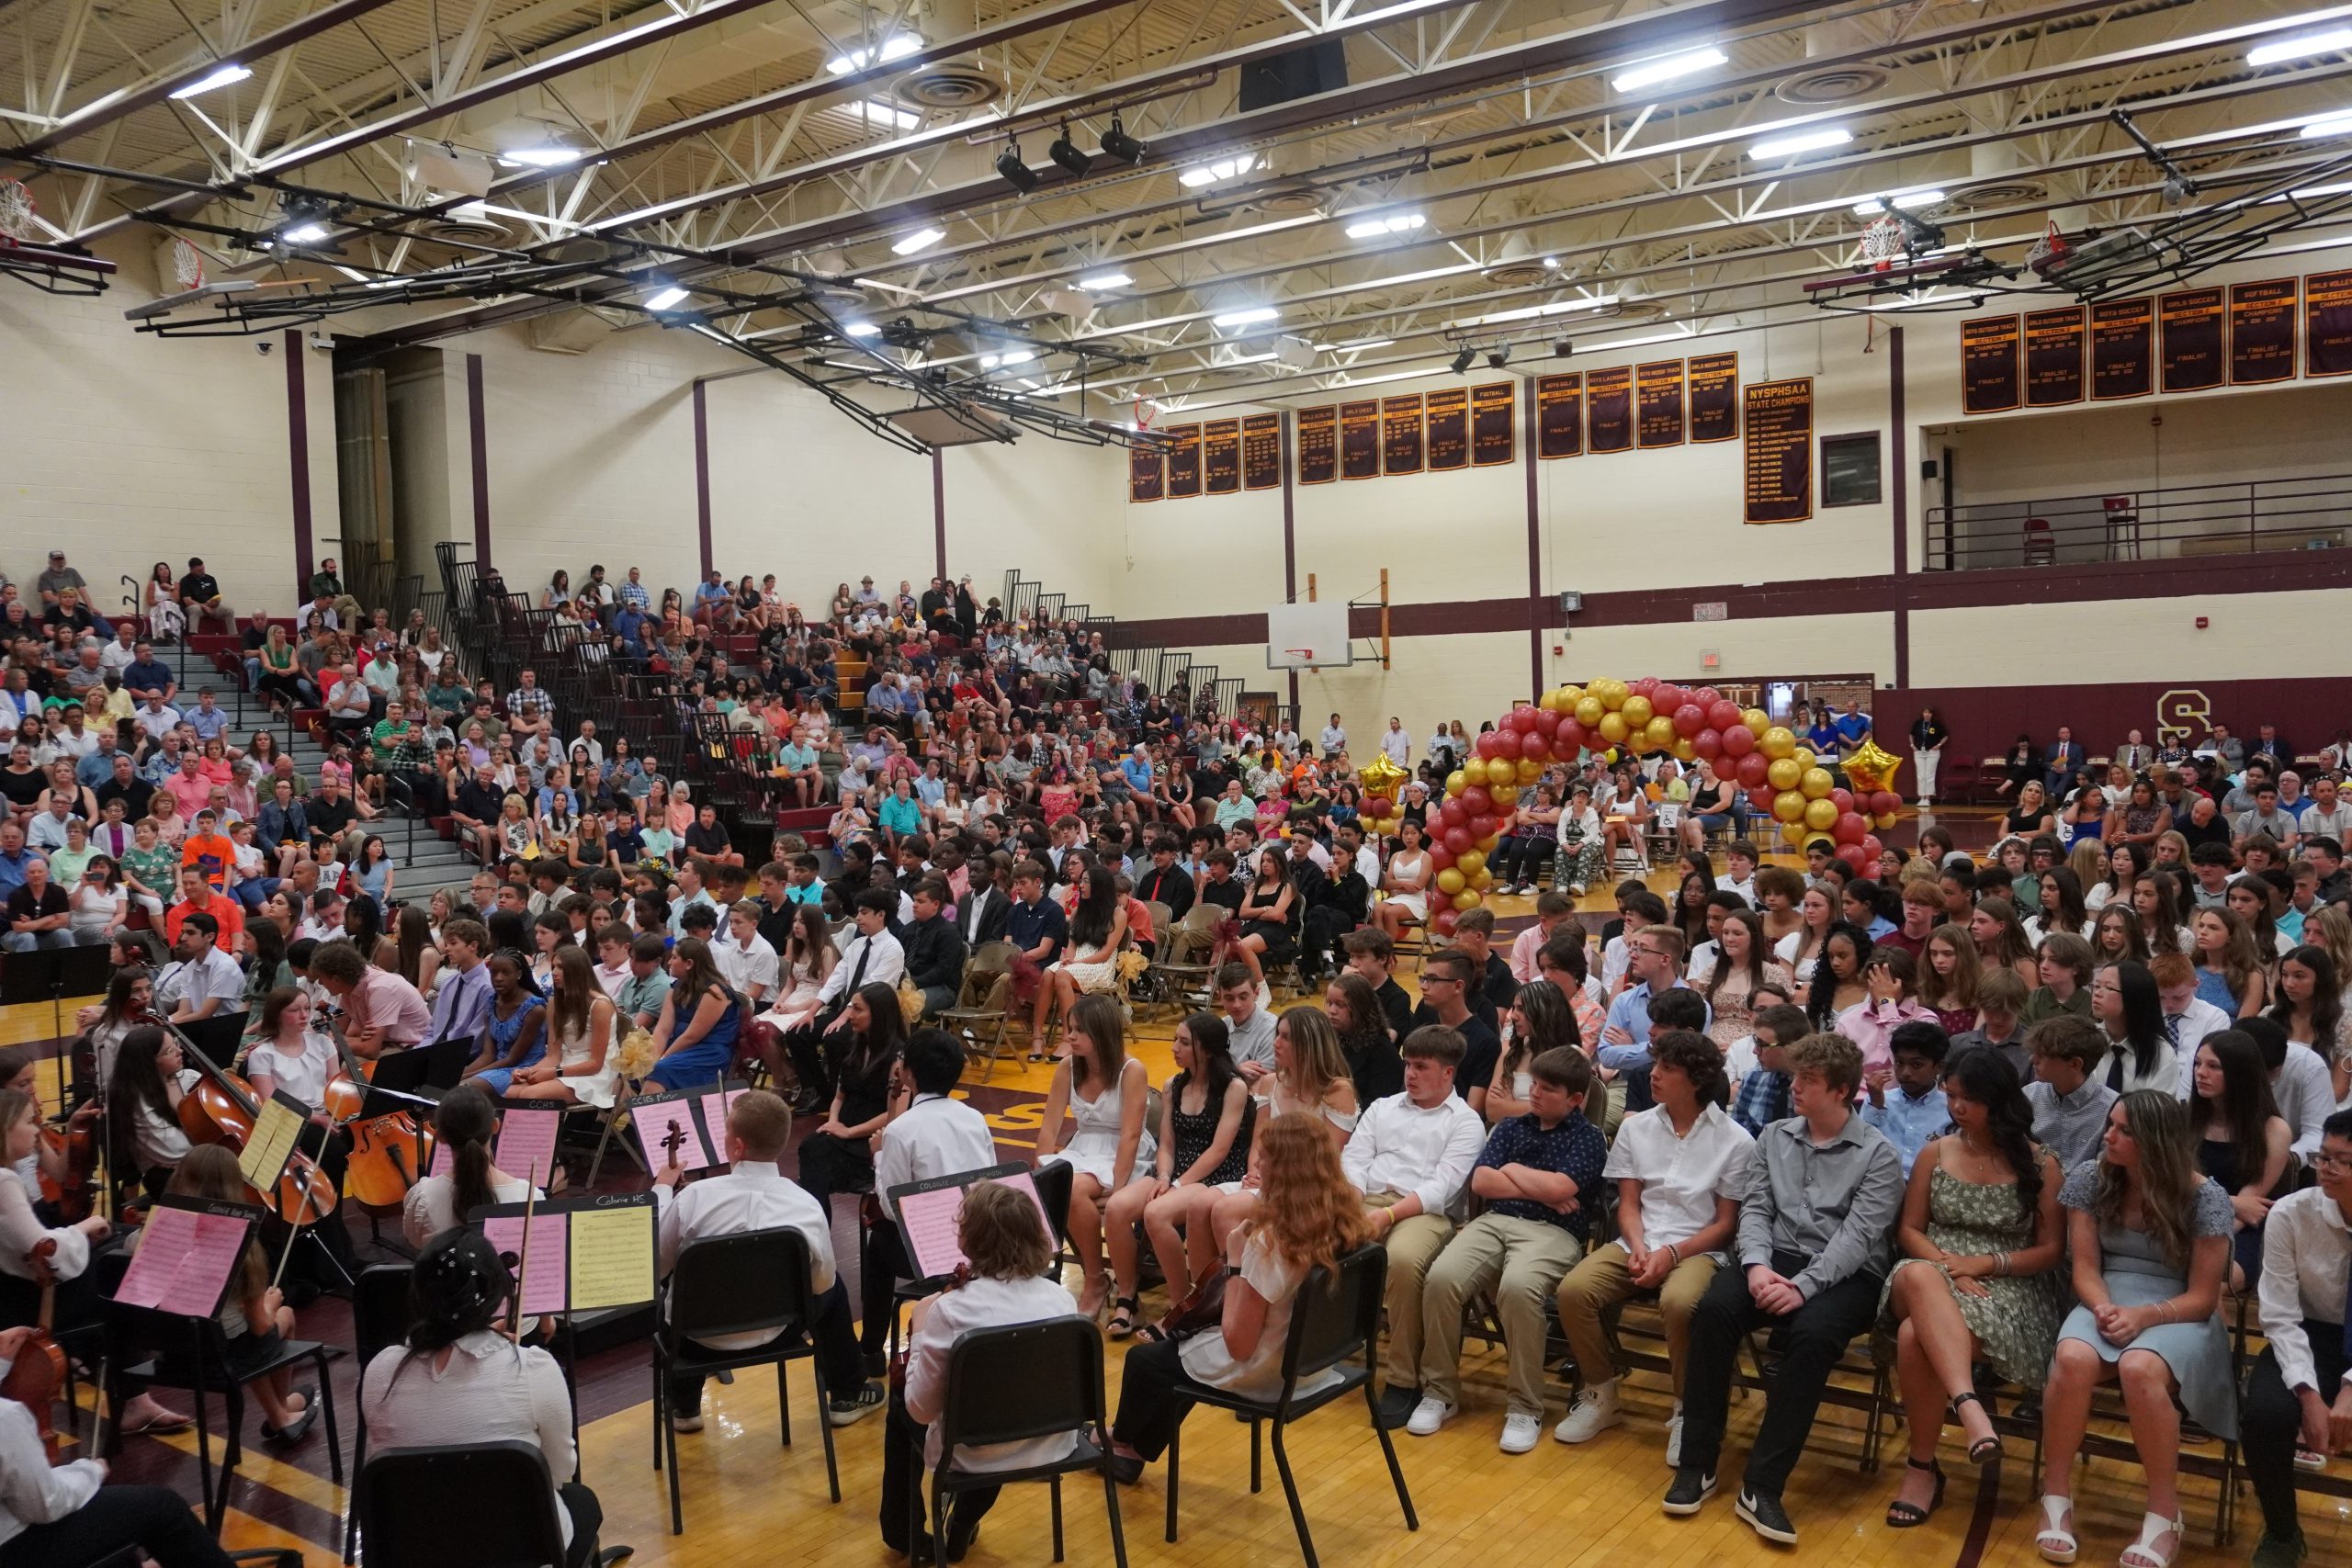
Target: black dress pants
2272, 1418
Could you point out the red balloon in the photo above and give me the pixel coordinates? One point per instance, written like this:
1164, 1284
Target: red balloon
1708, 744
1883, 801
1547, 723
1533, 745
1723, 715
1461, 840
1851, 827
1444, 920
1666, 696
1379, 806
1453, 814
1864, 865
1523, 717
1688, 719
1563, 750
1474, 801
1739, 740
1707, 697
1842, 798
1751, 770
1646, 685
1762, 796
1482, 827
1490, 743
1571, 735
1872, 847
1439, 857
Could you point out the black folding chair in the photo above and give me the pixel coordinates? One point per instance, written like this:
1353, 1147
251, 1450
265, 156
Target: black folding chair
757, 1281
1011, 1385
1335, 1316
491, 1505
379, 1321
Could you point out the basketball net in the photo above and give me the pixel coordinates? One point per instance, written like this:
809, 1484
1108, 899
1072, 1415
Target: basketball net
2051, 247
1145, 411
1883, 241
15, 210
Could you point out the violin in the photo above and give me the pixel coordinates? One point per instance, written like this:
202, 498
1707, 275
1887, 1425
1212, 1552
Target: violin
221, 1109
38, 1374
389, 1154
75, 1197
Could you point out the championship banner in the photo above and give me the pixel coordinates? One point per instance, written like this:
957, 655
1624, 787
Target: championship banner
1261, 451
1400, 434
2327, 323
2189, 324
1318, 445
1559, 415
1493, 436
1221, 457
1448, 414
1715, 396
1657, 403
2123, 348
1147, 474
1184, 462
1989, 378
1777, 416
2262, 332
1359, 440
1609, 410
2054, 344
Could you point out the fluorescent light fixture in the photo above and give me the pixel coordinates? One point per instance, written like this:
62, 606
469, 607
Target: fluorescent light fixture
861, 329
552, 155
226, 73
2308, 192
1359, 343
1223, 169
1249, 318
2330, 41
897, 46
1634, 342
1010, 356
2336, 124
1528, 313
1550, 264
309, 233
1099, 281
920, 239
1373, 228
1799, 141
1907, 202
665, 297
874, 111
1914, 300
1668, 67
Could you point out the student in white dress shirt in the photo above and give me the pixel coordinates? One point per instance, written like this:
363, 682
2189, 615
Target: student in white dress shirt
929, 1135
753, 1196
2301, 1394
460, 1381
464, 1122
1007, 1250
745, 957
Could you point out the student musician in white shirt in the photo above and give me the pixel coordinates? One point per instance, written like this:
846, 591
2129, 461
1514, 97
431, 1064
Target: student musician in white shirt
755, 1196
929, 1134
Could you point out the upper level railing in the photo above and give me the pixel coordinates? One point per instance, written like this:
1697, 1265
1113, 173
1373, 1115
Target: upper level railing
2298, 513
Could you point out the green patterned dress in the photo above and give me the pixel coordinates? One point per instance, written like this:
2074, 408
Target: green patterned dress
2016, 1322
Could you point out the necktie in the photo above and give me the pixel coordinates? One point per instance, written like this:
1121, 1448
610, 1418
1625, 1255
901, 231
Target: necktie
2172, 1028
857, 976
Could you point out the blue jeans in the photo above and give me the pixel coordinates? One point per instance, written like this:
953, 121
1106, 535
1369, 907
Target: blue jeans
27, 941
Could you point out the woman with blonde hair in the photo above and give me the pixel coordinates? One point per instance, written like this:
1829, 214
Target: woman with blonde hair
1310, 1217
2229, 968
1310, 1076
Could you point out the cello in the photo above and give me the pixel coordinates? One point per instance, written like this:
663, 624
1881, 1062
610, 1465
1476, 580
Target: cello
389, 1154
221, 1109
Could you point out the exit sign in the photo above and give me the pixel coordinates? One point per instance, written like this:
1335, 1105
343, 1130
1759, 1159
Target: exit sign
1711, 610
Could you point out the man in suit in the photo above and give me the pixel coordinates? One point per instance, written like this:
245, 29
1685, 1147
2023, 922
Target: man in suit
1165, 881
2060, 765
934, 948
2135, 754
985, 910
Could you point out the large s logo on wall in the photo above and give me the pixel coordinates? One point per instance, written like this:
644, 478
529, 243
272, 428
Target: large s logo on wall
2184, 713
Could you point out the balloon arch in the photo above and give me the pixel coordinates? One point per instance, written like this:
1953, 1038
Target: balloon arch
1783, 777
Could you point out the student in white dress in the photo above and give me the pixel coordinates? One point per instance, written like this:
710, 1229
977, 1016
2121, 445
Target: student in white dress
1110, 1141
583, 1067
1404, 890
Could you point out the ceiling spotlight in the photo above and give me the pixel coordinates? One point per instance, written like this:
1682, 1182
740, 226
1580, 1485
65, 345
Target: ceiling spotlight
1117, 144
861, 329
920, 239
1668, 67
1800, 141
226, 73
1101, 281
302, 222
1249, 318
2328, 42
1563, 349
1498, 359
665, 296
1463, 360
1068, 155
1014, 171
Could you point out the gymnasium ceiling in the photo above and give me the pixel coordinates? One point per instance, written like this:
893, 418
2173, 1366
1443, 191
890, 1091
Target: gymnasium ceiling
1483, 150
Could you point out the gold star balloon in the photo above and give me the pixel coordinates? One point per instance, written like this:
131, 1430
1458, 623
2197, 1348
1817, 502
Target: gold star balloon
1381, 776
1871, 768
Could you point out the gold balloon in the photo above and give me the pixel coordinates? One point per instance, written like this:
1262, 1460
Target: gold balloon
1458, 781
1466, 899
1658, 734
1550, 701
1777, 743
1487, 845
1757, 720
1473, 771
1821, 815
1805, 756
1613, 694
1612, 728
1791, 831
1789, 806
1684, 750
1470, 865
1504, 795
1451, 881
1570, 696
1885, 821
1784, 773
1636, 709
1816, 786
1588, 711
1871, 768
1483, 880
1529, 770
1381, 776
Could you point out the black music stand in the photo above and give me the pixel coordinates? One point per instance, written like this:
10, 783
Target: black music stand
412, 1081
50, 974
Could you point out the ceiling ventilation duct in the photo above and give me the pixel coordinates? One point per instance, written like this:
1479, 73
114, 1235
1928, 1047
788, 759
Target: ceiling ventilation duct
1996, 180
1834, 84
963, 84
1516, 263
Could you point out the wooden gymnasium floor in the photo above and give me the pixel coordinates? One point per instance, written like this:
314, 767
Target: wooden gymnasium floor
751, 1504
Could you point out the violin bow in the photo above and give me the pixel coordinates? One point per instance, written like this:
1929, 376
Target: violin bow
522, 1259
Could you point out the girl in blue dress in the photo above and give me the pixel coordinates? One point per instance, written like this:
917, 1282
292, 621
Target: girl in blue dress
516, 1034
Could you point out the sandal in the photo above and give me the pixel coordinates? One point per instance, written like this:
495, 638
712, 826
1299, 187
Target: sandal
1123, 1316
1986, 1449
2056, 1539
2142, 1552
1902, 1515
1151, 1334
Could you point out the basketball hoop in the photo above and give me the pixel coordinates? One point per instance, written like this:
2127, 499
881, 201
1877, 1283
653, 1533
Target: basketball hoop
186, 265
15, 210
1883, 241
2050, 250
1145, 411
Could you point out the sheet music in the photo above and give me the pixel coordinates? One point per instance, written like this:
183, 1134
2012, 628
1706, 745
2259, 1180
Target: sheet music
715, 1107
927, 1221
612, 1256
526, 1142
653, 1121
263, 1159
545, 1274
184, 1261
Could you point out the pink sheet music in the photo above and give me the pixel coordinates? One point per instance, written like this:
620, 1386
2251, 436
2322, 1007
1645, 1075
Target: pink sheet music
653, 1125
526, 1144
183, 1261
715, 1107
927, 1223
547, 1272
444, 1158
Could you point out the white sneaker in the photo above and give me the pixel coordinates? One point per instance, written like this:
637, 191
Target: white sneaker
1520, 1432
1674, 1438
1591, 1413
1429, 1414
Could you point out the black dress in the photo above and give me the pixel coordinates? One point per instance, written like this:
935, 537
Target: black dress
1195, 1132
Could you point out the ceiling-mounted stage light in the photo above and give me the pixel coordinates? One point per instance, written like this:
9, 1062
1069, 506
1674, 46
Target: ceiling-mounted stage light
1014, 171
1498, 359
1068, 155
1117, 144
1463, 360
303, 222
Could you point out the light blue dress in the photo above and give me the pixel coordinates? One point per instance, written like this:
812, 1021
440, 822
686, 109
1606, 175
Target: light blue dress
502, 1040
2138, 1275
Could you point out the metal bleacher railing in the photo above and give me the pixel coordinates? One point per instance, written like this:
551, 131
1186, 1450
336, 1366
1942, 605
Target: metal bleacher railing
2310, 512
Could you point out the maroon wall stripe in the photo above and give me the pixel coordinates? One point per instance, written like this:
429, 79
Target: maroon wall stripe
1899, 455
702, 477
478, 435
297, 443
939, 510
1290, 553
1535, 616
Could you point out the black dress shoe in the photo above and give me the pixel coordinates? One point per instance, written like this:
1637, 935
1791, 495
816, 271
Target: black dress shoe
963, 1529
1125, 1469
1397, 1406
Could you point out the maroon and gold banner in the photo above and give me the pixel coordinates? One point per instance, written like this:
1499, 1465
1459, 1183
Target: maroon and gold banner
2054, 341
1147, 474
1559, 414
1359, 440
1989, 378
1184, 462
2123, 348
2189, 324
1492, 437
2262, 332
1221, 457
1318, 445
1400, 434
1715, 396
1609, 410
1261, 451
1657, 403
1777, 416
2327, 323
1449, 429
